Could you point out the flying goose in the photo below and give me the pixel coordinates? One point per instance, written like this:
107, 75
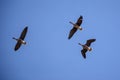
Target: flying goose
20, 40
86, 47
75, 26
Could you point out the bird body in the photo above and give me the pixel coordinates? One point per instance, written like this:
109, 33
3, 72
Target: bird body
76, 26
20, 40
86, 47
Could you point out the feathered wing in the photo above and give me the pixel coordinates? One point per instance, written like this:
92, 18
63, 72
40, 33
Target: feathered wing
88, 43
72, 31
17, 46
23, 34
83, 52
79, 21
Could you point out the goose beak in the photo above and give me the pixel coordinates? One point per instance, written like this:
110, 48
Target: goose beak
13, 38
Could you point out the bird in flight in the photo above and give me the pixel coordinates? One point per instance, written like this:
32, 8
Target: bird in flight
86, 47
20, 40
76, 26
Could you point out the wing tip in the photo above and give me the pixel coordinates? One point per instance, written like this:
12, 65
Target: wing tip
69, 37
84, 56
81, 17
94, 40
15, 49
26, 27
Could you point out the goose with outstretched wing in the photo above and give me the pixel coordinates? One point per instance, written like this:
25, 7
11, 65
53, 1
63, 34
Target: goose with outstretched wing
20, 40
86, 47
76, 26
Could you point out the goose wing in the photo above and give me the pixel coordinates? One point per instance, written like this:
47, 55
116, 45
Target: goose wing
17, 46
23, 34
79, 21
72, 31
88, 43
83, 52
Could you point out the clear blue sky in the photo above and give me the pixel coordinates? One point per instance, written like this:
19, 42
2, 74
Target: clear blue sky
49, 55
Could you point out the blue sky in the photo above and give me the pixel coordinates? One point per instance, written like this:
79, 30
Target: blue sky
49, 55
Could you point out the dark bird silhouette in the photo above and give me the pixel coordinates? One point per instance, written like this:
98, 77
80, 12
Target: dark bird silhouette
86, 47
20, 40
76, 26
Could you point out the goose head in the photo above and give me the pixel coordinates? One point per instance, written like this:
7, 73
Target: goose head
71, 23
80, 44
15, 38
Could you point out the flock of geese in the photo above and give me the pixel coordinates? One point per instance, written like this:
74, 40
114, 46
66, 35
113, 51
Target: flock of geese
86, 47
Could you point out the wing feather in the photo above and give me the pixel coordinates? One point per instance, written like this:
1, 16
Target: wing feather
79, 21
72, 31
88, 43
17, 46
83, 52
23, 34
